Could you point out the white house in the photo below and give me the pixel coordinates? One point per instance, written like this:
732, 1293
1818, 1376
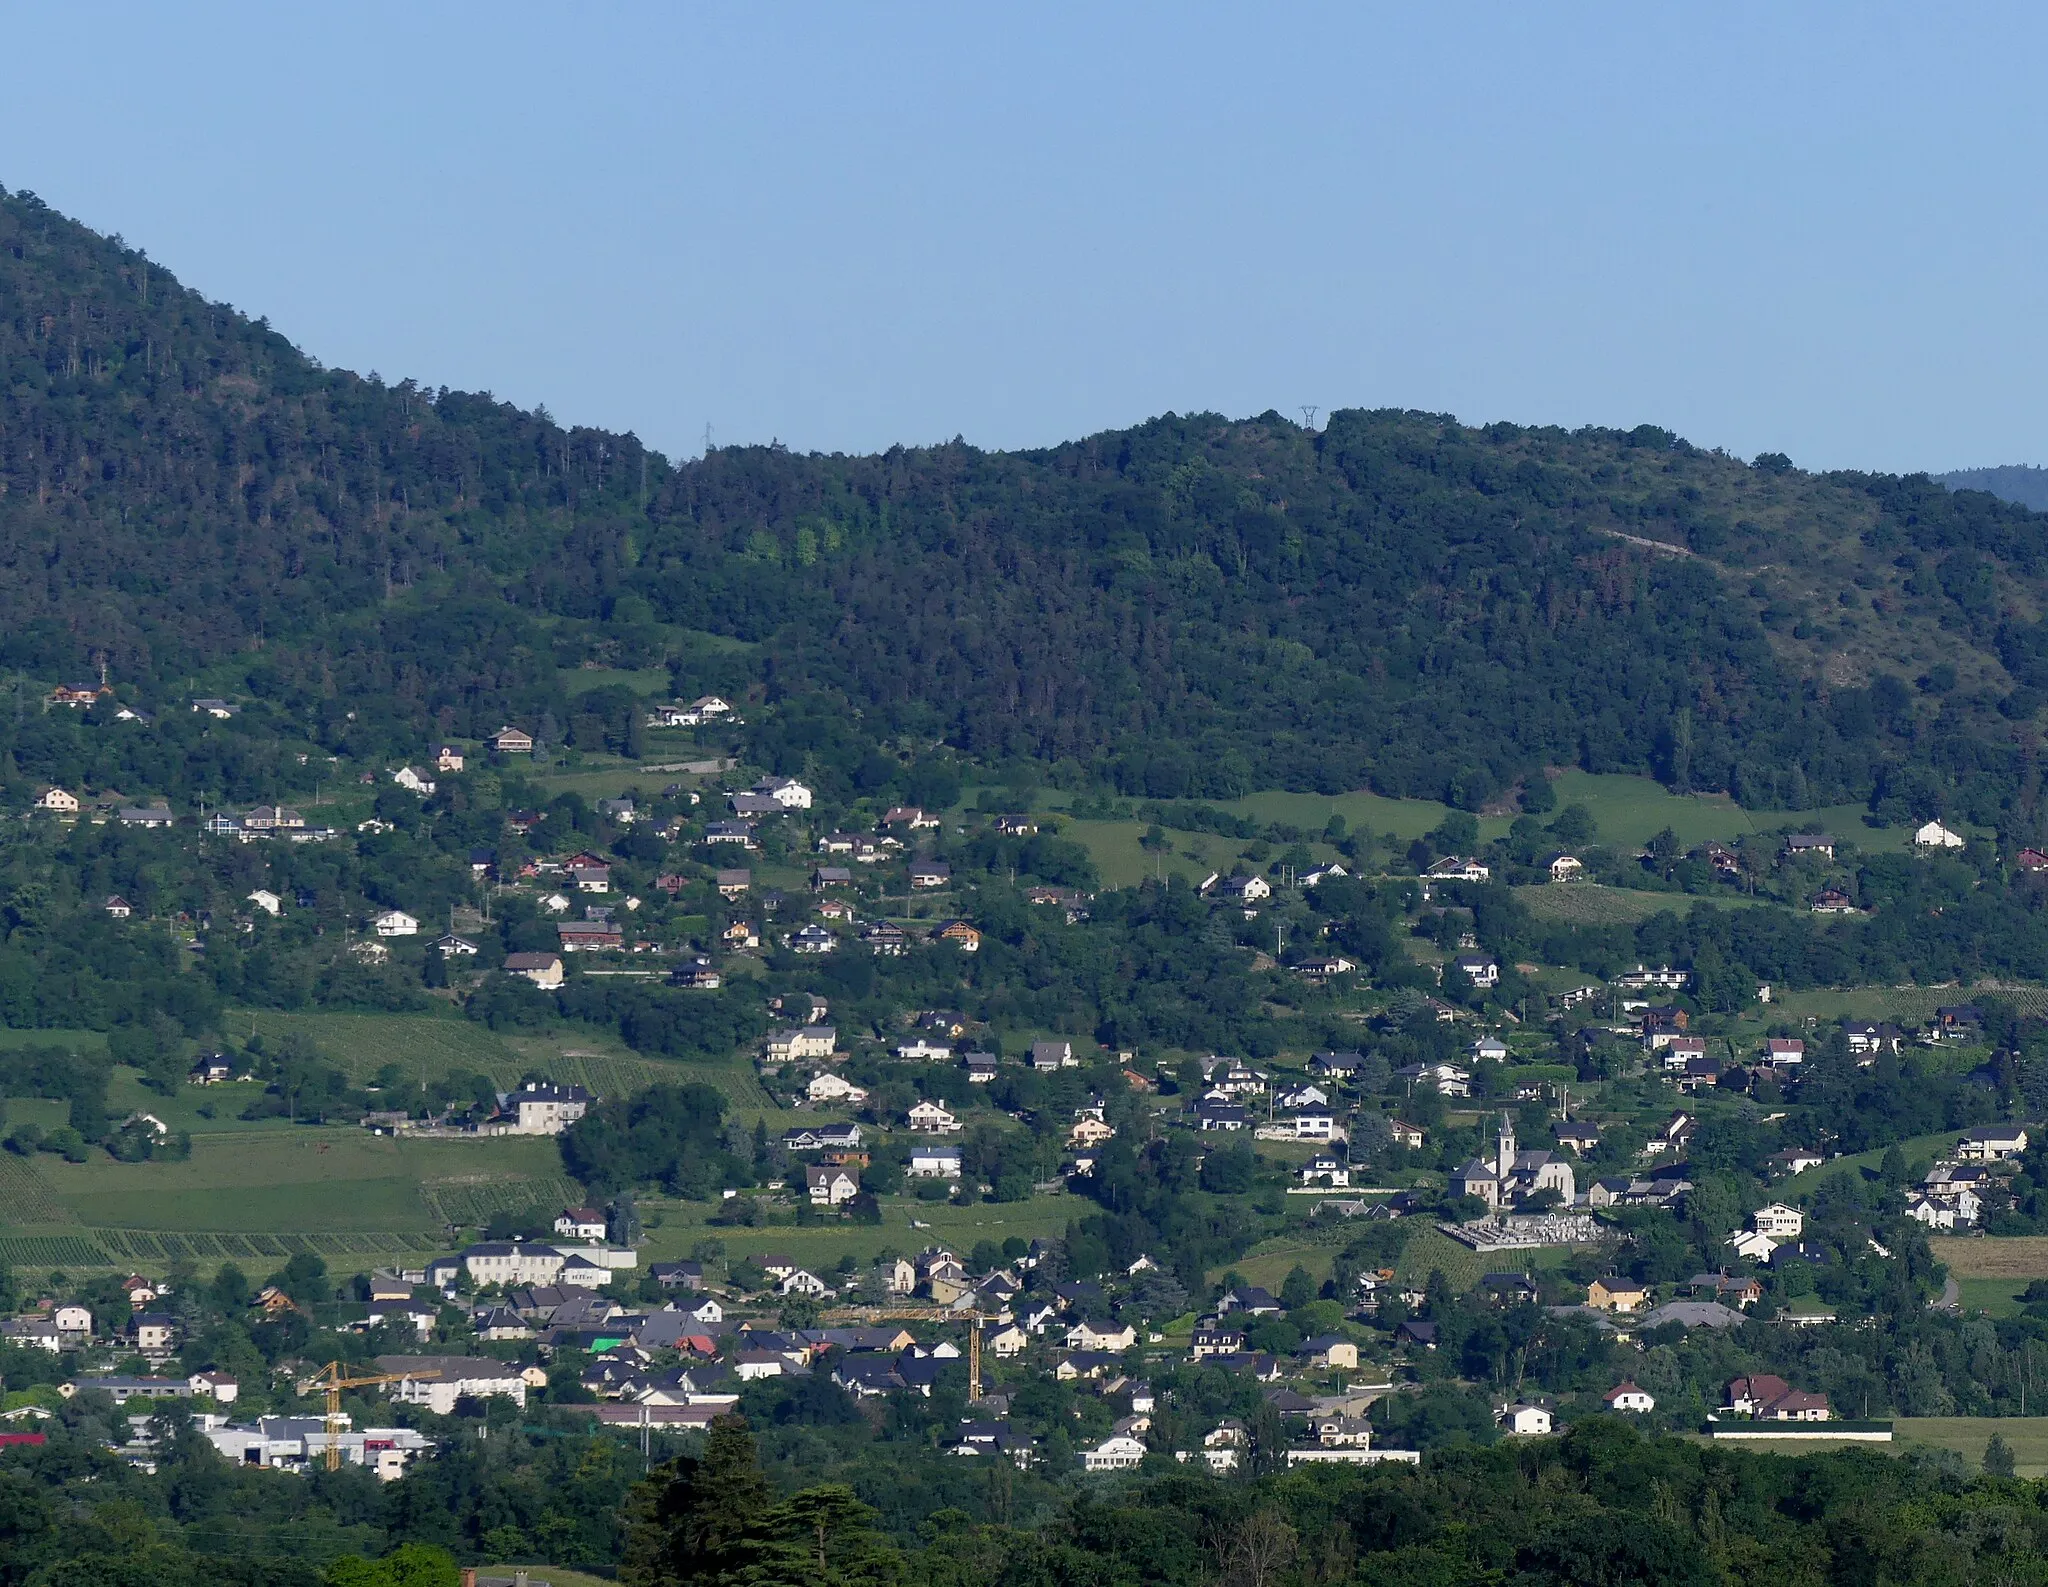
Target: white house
932, 1119
1752, 1245
1936, 836
541, 1107
1527, 1421
830, 1187
1625, 1396
934, 1162
267, 901
395, 923
1120, 1452
58, 800
1779, 1221
829, 1087
437, 1382
1992, 1143
785, 791
413, 781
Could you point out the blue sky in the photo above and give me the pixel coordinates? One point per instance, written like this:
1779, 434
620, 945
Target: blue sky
1809, 229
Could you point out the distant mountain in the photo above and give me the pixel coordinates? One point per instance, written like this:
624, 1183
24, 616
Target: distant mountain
1194, 606
2015, 482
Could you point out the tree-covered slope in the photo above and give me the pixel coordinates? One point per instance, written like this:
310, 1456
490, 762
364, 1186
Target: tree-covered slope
1192, 606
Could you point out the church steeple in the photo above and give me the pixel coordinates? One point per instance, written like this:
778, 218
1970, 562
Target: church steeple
1504, 1161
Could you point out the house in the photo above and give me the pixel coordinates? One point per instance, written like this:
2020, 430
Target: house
1616, 1294
981, 1067
1578, 1139
1801, 844
812, 939
932, 1119
1446, 1079
1325, 1172
1490, 1049
1454, 868
1336, 1065
830, 1187
731, 884
933, 1162
437, 1382
1118, 1452
58, 801
1992, 1143
2031, 860
623, 811
829, 1087
1048, 1056
540, 1107
591, 877
741, 934
1751, 1245
1215, 1339
581, 1223
785, 791
413, 781
740, 832
1477, 968
1565, 868
1625, 1396
1796, 1160
1784, 1052
1933, 836
960, 934
447, 758
510, 741
1090, 1131
1220, 1116
1331, 1351
1663, 977
149, 817
678, 1275
1317, 874
1244, 889
1087, 1335
454, 947
590, 936
544, 970
885, 939
1409, 1135
1251, 1300
825, 876
1870, 1036
395, 923
1016, 826
117, 907
1525, 1421
1779, 1221
152, 1333
908, 816
267, 901
1726, 1288
1833, 901
804, 1041
1959, 1022
929, 874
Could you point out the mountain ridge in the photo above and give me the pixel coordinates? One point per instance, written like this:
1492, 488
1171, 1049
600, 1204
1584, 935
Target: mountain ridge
1190, 606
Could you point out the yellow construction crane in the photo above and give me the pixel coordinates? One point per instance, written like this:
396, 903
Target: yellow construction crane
331, 1380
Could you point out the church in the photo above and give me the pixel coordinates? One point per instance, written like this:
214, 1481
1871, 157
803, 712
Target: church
1514, 1176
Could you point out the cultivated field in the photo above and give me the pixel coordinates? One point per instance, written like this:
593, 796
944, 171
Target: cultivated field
1968, 1436
2019, 1257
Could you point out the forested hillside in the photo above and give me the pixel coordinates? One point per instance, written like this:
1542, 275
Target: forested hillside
1196, 606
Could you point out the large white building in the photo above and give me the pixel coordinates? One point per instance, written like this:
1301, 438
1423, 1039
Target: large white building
437, 1382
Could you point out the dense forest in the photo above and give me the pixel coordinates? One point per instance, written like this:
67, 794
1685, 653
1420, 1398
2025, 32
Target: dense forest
1195, 606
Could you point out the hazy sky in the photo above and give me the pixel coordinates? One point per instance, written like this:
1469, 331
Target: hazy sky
1800, 228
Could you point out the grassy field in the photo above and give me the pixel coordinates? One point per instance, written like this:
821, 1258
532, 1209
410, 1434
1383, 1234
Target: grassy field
2020, 1257
683, 1224
1968, 1435
1995, 1297
1590, 904
1928, 1146
426, 1047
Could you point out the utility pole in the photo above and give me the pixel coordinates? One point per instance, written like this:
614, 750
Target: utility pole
1308, 416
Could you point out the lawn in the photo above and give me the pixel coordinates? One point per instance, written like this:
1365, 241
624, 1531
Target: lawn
1968, 1435
821, 1246
1927, 1146
1995, 1297
294, 1181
